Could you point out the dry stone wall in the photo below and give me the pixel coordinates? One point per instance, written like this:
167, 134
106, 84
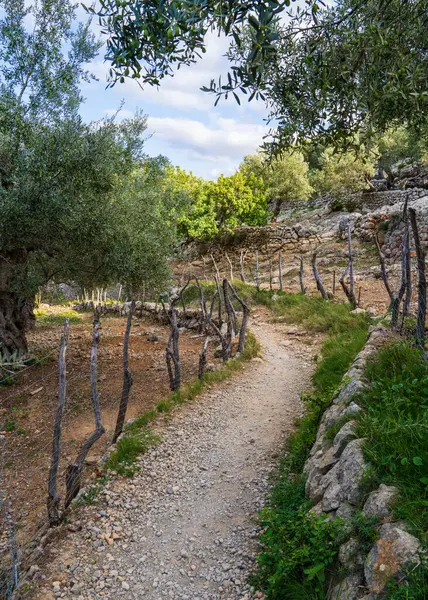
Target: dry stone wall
335, 471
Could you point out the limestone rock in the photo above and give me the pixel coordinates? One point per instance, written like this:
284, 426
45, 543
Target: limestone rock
393, 553
351, 389
350, 588
344, 478
343, 437
345, 511
378, 503
351, 556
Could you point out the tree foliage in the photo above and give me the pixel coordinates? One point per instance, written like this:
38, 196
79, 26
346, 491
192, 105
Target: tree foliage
78, 202
286, 177
212, 207
329, 70
341, 173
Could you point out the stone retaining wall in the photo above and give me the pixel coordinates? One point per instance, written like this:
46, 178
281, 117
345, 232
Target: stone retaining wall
335, 470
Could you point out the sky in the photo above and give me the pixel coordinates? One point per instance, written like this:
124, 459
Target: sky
183, 123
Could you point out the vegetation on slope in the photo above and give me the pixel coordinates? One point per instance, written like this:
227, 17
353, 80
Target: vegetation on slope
299, 549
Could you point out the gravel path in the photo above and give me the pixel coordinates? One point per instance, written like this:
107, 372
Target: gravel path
184, 527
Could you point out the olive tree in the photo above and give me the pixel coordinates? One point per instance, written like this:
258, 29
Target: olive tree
77, 201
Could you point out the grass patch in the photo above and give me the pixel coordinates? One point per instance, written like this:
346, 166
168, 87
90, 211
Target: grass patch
338, 352
57, 316
128, 448
395, 424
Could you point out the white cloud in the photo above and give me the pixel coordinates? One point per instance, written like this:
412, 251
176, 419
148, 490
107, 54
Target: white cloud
182, 91
223, 140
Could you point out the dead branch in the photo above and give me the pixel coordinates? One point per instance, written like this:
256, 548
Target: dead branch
215, 266
172, 351
203, 358
75, 470
320, 285
241, 263
257, 269
383, 270
53, 496
127, 378
422, 282
230, 266
220, 306
245, 317
231, 316
301, 276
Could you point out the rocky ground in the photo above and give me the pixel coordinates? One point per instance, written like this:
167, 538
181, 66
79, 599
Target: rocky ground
185, 527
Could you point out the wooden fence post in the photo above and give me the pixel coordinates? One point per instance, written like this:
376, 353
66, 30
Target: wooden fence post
230, 266
53, 497
320, 285
203, 358
257, 269
422, 282
245, 317
75, 470
241, 263
172, 350
280, 272
127, 378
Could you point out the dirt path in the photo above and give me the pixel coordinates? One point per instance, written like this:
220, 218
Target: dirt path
185, 526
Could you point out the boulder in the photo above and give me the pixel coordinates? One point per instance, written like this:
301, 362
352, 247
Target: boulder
355, 386
351, 556
392, 555
343, 481
379, 502
342, 438
350, 588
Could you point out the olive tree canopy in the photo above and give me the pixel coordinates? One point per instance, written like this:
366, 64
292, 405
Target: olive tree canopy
328, 70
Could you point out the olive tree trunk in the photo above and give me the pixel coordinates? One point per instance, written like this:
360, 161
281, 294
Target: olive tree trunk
16, 313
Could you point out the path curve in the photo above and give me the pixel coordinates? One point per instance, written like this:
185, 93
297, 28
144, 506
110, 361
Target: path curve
184, 527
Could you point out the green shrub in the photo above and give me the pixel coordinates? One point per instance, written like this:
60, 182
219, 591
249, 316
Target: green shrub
298, 547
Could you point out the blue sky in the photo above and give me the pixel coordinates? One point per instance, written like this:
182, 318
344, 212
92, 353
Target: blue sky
183, 122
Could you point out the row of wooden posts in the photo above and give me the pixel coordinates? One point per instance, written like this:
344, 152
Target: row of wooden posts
209, 325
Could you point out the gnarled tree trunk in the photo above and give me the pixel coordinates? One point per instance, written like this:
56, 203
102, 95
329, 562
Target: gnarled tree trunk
16, 313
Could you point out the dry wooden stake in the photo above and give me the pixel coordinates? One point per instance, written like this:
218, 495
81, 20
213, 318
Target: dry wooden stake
257, 269
203, 358
127, 378
280, 271
172, 350
270, 274
349, 292
53, 496
241, 262
317, 276
422, 282
230, 266
75, 470
334, 282
301, 276
245, 317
